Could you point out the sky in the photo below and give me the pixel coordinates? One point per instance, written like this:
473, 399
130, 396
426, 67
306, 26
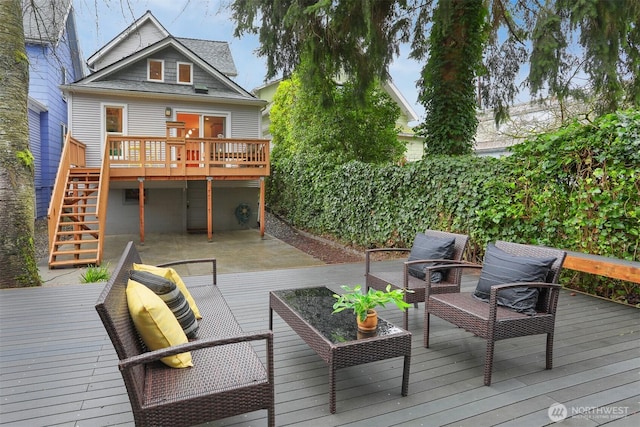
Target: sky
99, 21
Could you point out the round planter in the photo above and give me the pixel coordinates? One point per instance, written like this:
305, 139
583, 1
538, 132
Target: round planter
369, 324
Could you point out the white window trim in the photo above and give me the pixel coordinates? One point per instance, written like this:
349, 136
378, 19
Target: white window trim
178, 64
103, 119
161, 79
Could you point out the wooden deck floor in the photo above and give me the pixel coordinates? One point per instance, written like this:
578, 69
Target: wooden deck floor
57, 366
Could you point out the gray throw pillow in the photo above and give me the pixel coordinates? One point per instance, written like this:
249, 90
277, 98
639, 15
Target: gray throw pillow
171, 295
427, 247
500, 267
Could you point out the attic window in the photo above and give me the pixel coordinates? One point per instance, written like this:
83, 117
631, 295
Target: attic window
185, 73
155, 70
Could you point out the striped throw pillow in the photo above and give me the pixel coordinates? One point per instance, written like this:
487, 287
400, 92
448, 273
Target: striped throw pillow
171, 295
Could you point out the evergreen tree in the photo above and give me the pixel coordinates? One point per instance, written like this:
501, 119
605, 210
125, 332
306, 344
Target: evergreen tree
361, 37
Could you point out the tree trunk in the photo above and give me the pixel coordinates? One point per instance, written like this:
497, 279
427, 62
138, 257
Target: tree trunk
18, 266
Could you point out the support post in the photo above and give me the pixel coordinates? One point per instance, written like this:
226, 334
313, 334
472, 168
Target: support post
141, 207
209, 209
262, 197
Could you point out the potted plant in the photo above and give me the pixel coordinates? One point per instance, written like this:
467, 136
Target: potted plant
363, 304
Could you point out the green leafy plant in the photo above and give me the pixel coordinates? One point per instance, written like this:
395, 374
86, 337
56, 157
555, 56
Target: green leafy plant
95, 274
361, 303
577, 188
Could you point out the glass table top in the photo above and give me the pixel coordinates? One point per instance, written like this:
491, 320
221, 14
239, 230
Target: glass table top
315, 306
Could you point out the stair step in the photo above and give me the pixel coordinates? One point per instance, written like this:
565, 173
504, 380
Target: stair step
68, 223
76, 242
73, 262
83, 169
68, 233
73, 201
72, 214
74, 252
91, 205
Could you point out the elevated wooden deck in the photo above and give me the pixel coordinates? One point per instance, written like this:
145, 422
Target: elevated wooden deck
57, 366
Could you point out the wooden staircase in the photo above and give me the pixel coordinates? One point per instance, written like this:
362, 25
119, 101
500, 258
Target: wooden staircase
77, 236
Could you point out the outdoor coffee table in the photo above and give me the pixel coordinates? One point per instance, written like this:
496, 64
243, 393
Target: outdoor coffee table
335, 337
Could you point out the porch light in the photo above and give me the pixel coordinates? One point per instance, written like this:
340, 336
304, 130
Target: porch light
167, 112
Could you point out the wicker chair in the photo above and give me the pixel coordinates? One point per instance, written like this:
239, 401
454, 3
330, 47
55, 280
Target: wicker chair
493, 322
403, 280
228, 377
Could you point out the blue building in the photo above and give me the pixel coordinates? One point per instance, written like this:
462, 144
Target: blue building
54, 59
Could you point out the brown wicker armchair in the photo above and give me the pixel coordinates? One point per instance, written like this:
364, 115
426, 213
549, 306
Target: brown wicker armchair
494, 322
403, 280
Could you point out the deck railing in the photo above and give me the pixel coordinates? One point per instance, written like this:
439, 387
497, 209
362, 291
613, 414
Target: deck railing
73, 155
148, 156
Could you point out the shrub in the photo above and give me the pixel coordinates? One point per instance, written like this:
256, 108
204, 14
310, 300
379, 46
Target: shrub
576, 189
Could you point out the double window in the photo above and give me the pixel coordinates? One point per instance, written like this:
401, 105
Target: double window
156, 71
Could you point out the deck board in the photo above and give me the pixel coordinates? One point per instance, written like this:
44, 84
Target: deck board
57, 365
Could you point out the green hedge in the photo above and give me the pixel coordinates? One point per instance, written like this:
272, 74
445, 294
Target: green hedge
577, 189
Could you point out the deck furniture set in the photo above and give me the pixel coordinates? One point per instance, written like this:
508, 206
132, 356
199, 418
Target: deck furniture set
334, 337
228, 377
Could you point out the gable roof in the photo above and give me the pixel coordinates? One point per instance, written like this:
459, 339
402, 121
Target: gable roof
146, 19
44, 20
215, 53
99, 81
402, 102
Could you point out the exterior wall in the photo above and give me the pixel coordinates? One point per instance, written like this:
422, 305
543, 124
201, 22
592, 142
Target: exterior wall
35, 145
144, 36
227, 196
166, 207
415, 148
45, 76
146, 117
165, 210
138, 70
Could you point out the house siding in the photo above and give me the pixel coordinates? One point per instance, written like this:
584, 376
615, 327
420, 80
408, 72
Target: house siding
145, 35
138, 71
35, 147
167, 206
45, 75
146, 117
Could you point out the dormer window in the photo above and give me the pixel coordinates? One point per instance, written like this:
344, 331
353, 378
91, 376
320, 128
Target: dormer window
185, 73
155, 68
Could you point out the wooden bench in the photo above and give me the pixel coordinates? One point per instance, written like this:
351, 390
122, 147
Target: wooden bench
228, 377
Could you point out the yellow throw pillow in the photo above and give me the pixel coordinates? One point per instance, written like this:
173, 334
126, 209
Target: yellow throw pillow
156, 324
171, 274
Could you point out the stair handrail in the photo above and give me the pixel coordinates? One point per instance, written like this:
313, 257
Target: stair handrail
73, 155
103, 197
